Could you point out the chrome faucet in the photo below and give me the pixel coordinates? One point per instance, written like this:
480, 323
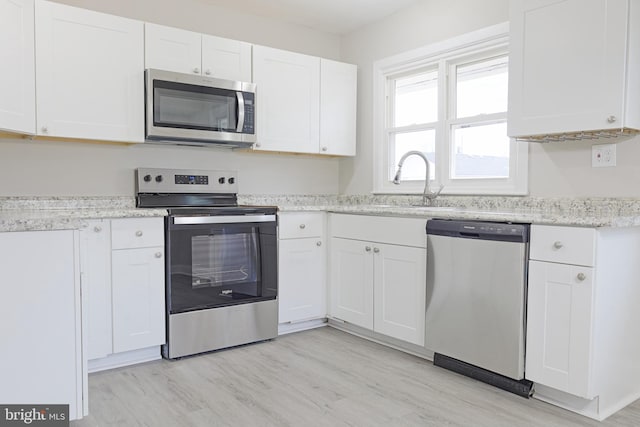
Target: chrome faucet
427, 195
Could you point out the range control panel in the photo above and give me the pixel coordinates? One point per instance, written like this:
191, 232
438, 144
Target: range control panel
153, 180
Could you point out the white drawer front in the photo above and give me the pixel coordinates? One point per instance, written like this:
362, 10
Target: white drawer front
137, 233
566, 245
298, 225
382, 229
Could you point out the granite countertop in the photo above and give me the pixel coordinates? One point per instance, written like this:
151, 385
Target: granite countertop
64, 213
501, 215
585, 212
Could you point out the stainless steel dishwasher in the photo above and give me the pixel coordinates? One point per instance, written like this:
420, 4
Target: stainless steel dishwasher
476, 300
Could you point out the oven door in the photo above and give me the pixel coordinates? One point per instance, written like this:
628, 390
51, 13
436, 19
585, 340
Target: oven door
215, 261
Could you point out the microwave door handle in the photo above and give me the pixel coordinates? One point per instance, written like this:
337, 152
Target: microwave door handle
240, 112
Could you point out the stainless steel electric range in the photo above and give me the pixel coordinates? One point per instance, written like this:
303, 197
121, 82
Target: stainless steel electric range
221, 263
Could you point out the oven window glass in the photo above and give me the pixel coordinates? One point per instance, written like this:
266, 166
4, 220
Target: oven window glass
180, 105
226, 261
218, 265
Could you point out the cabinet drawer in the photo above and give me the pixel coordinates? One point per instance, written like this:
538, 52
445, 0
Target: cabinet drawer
137, 233
297, 225
566, 245
391, 230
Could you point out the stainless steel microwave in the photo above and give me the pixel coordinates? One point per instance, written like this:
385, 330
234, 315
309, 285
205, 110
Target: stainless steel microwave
199, 110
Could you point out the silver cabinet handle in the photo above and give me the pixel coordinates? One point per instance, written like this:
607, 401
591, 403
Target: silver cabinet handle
208, 72
302, 226
158, 254
581, 276
258, 145
376, 250
318, 243
139, 233
196, 70
367, 248
44, 129
612, 119
558, 244
97, 229
324, 148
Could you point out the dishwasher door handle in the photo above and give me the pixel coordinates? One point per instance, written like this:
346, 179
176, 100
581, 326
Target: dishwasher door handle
467, 234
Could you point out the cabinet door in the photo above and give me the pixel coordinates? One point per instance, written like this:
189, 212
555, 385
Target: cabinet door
288, 107
138, 298
559, 327
17, 75
172, 49
90, 74
226, 59
566, 65
400, 292
338, 98
301, 280
351, 288
41, 325
95, 258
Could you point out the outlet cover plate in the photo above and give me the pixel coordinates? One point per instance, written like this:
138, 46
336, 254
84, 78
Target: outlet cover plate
603, 155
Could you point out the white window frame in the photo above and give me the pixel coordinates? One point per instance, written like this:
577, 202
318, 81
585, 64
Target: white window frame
445, 55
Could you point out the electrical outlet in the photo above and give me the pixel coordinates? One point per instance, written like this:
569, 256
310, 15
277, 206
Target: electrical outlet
603, 155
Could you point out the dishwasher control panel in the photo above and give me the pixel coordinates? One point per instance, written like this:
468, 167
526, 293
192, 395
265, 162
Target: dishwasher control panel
510, 232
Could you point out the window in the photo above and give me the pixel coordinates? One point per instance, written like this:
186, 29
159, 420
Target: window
448, 101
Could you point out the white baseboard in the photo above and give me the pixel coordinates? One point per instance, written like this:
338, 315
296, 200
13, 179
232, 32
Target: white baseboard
287, 328
127, 358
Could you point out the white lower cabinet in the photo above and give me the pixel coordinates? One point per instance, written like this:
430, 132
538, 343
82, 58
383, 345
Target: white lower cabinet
352, 281
583, 297
378, 274
137, 278
559, 334
41, 331
95, 257
123, 279
301, 267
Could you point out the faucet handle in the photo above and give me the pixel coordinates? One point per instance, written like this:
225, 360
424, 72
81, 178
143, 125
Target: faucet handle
433, 194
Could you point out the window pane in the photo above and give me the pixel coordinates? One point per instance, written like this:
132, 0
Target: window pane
416, 99
413, 168
480, 151
482, 87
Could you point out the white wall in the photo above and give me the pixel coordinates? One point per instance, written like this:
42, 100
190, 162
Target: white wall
423, 23
70, 168
557, 169
47, 168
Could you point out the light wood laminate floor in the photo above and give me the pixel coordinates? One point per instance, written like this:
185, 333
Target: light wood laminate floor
321, 377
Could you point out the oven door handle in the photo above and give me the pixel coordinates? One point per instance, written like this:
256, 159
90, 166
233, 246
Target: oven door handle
222, 219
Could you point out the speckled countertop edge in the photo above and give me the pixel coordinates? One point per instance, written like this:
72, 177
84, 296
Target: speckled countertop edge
586, 212
66, 213
59, 213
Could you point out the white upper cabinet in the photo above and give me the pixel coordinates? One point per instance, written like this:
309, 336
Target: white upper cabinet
183, 51
172, 49
573, 66
288, 100
226, 59
90, 74
305, 104
17, 75
338, 99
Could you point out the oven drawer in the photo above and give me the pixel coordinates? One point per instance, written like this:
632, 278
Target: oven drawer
298, 225
137, 233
